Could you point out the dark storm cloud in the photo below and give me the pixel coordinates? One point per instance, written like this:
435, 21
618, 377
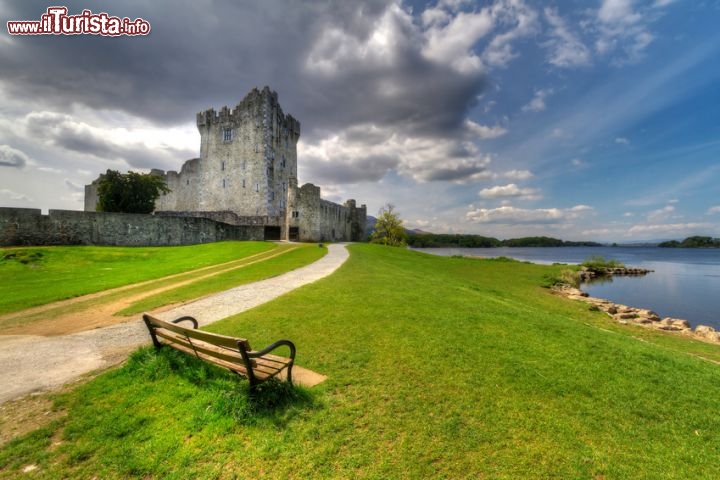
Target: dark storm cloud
370, 168
202, 54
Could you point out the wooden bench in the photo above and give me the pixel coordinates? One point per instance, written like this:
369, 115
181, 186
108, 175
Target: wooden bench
232, 353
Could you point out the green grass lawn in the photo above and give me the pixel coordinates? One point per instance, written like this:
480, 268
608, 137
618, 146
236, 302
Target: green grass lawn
298, 256
38, 275
437, 368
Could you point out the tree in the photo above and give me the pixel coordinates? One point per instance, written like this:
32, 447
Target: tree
389, 228
130, 192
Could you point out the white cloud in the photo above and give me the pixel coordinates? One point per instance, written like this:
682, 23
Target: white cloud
451, 39
713, 210
517, 174
623, 28
452, 36
510, 190
566, 50
484, 132
13, 195
12, 157
671, 228
577, 162
619, 11
537, 104
508, 215
660, 213
367, 153
622, 141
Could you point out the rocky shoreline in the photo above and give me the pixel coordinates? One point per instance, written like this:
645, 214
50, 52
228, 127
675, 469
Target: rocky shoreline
626, 315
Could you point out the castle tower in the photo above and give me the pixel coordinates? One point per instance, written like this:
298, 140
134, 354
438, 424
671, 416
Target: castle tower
247, 156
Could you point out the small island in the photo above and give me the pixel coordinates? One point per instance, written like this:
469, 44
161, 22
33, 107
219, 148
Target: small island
693, 242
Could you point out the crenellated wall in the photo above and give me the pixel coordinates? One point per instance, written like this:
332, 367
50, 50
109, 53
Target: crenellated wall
27, 226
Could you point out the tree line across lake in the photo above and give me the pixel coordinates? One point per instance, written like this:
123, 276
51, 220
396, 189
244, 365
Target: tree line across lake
693, 242
444, 240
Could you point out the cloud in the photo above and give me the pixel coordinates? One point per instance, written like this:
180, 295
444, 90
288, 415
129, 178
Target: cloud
67, 133
484, 132
671, 228
508, 215
660, 213
517, 174
565, 49
12, 157
74, 186
350, 156
623, 30
622, 141
13, 195
452, 35
713, 210
578, 162
510, 190
537, 104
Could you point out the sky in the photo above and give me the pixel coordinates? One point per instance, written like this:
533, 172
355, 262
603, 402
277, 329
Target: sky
581, 120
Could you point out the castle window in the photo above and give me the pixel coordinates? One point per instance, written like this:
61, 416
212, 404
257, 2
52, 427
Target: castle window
223, 183
243, 183
282, 162
244, 164
222, 167
295, 214
187, 182
284, 186
272, 196
257, 187
257, 148
227, 134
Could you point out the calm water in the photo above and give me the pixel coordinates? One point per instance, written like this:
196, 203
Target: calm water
685, 282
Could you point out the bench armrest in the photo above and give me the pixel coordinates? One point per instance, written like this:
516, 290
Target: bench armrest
187, 318
268, 349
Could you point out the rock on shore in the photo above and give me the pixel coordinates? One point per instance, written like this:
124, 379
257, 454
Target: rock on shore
639, 316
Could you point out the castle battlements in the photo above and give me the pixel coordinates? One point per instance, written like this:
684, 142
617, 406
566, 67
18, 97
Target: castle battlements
256, 105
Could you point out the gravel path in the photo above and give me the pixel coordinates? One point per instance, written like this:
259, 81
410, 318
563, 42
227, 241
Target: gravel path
31, 363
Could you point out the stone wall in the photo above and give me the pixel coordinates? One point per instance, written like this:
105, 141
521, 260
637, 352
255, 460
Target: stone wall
25, 226
319, 220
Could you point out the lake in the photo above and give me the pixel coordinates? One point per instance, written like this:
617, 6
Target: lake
685, 282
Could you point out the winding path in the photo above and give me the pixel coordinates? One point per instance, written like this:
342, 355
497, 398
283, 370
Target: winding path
30, 363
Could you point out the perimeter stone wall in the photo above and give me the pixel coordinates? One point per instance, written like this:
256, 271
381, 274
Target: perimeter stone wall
27, 226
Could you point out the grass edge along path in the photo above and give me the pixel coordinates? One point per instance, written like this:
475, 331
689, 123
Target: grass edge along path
438, 368
58, 273
99, 309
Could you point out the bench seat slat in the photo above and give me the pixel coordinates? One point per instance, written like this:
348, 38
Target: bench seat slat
223, 353
214, 338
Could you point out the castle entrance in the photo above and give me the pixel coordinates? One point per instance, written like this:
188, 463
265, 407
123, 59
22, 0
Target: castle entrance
272, 233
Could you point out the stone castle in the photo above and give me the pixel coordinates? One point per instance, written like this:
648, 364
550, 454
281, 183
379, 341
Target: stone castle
247, 175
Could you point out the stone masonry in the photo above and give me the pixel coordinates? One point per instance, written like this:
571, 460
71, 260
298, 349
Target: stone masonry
247, 175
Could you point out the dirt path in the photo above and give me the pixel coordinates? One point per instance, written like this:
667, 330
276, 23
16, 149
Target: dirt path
31, 363
99, 309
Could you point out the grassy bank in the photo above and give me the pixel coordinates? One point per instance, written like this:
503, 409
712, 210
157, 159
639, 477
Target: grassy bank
438, 368
38, 275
